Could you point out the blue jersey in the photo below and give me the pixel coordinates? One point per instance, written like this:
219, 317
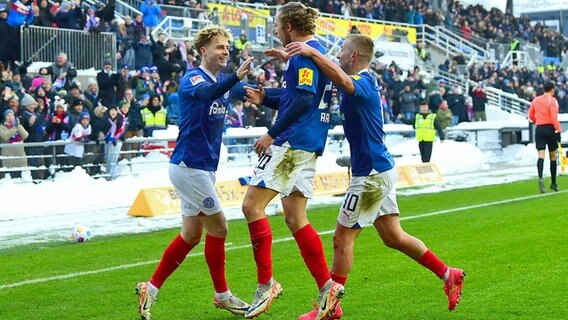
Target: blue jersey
363, 125
201, 121
309, 133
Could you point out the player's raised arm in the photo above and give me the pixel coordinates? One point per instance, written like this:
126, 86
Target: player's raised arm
279, 54
260, 96
212, 91
331, 70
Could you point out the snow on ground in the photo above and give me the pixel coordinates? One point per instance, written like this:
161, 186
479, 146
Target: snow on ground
49, 210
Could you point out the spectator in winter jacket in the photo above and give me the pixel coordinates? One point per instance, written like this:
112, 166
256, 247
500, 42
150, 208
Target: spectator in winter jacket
62, 72
79, 135
155, 116
34, 123
59, 127
111, 128
66, 17
21, 14
11, 131
92, 93
142, 53
456, 102
444, 115
479, 99
107, 81
151, 13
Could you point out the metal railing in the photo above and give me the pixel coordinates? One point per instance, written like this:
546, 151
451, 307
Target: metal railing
522, 58
507, 102
85, 50
46, 158
126, 9
450, 42
179, 28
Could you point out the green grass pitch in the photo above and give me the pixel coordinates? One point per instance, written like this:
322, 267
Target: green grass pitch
511, 242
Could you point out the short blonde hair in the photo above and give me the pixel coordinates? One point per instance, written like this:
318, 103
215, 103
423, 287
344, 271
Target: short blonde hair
205, 35
362, 44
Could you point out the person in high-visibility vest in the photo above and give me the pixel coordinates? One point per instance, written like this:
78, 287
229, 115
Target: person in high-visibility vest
426, 125
154, 116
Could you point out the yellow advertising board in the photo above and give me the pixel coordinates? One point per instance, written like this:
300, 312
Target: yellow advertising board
341, 28
231, 16
160, 201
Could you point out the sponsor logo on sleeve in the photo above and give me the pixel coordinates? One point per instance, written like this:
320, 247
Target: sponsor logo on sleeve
196, 79
356, 77
306, 77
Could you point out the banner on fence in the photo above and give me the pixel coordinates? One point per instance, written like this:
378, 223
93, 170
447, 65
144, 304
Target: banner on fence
341, 28
161, 201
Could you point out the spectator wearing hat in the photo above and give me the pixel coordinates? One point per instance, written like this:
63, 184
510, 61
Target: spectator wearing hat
155, 116
135, 122
76, 93
20, 14
142, 53
7, 96
124, 81
34, 123
62, 72
11, 131
68, 15
3, 37
76, 107
59, 127
143, 83
151, 13
92, 92
79, 135
107, 81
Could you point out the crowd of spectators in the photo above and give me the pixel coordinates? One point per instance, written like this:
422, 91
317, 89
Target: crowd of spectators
141, 96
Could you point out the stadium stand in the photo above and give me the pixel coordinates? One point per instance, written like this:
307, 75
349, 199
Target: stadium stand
138, 50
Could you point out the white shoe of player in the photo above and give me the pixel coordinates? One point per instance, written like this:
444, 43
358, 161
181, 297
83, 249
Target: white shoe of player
263, 298
145, 301
234, 305
329, 299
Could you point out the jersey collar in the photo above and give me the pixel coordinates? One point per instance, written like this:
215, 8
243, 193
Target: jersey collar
207, 72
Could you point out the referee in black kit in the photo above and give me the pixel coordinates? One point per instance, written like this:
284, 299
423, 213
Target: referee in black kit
544, 113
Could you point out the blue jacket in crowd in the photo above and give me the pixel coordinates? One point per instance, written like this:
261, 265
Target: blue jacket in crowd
19, 14
151, 13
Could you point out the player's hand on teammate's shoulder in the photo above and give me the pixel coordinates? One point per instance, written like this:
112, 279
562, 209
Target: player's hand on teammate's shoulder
299, 48
244, 68
255, 96
278, 54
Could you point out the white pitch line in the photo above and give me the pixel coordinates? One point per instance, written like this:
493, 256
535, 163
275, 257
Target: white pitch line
286, 239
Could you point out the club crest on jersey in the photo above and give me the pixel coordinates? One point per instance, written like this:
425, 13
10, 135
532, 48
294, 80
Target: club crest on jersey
226, 95
306, 77
196, 79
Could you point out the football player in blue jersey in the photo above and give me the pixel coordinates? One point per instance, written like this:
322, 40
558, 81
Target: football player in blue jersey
204, 94
288, 154
371, 196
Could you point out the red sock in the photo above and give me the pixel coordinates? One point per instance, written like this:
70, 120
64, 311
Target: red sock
339, 279
430, 261
311, 249
261, 239
215, 258
172, 258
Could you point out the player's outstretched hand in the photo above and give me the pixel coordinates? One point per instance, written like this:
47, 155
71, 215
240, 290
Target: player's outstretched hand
277, 53
244, 68
262, 144
299, 48
255, 96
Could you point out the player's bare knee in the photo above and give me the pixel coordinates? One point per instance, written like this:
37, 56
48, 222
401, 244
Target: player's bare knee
191, 239
392, 240
251, 210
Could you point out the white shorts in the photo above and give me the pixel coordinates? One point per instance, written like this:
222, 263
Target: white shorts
368, 198
196, 190
285, 170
